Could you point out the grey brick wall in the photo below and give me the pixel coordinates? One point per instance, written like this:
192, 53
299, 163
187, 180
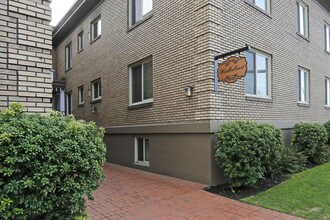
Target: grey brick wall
182, 37
25, 54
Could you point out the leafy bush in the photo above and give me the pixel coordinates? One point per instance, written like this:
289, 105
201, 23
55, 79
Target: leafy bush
48, 164
292, 160
248, 151
327, 127
311, 140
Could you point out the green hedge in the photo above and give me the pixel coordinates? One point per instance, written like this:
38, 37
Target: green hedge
248, 151
48, 164
311, 139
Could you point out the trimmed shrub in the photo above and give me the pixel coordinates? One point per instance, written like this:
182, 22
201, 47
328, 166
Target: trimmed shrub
248, 151
292, 160
48, 164
327, 127
311, 140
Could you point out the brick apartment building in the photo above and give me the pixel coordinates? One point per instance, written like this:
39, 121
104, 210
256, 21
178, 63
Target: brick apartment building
25, 54
128, 65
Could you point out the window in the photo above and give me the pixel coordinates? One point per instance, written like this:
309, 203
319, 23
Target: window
142, 151
139, 10
302, 19
80, 41
68, 56
96, 90
68, 109
81, 97
327, 92
141, 83
303, 76
96, 28
327, 38
262, 4
257, 80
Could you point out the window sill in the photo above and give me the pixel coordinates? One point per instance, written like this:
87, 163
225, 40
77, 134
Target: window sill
81, 105
327, 107
140, 105
303, 104
259, 9
258, 98
79, 51
328, 52
303, 37
95, 39
144, 164
96, 101
68, 70
146, 17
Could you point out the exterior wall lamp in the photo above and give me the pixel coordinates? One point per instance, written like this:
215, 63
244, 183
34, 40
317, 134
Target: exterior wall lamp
189, 90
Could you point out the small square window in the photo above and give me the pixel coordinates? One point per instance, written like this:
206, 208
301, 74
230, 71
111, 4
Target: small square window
327, 38
96, 28
68, 56
139, 9
327, 92
81, 95
303, 76
302, 19
96, 90
80, 41
142, 151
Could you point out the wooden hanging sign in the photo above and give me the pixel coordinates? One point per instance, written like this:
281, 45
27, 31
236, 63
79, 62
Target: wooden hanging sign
232, 69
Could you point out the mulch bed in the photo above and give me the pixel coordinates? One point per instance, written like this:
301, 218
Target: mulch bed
243, 192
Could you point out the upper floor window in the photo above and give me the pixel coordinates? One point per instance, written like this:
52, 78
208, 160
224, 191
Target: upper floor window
303, 76
139, 9
262, 4
327, 92
96, 90
81, 97
257, 80
327, 38
96, 28
68, 56
80, 41
302, 19
141, 83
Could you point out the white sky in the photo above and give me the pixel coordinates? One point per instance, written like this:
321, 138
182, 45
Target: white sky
59, 9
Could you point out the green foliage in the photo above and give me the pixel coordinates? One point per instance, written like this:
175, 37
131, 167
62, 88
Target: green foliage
311, 140
292, 160
48, 164
248, 151
327, 127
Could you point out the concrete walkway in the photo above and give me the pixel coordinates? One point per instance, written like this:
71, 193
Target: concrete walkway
133, 194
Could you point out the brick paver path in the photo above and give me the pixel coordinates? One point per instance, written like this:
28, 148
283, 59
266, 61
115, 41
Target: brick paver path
132, 194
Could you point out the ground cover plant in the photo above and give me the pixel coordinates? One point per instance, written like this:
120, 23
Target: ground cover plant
48, 165
306, 195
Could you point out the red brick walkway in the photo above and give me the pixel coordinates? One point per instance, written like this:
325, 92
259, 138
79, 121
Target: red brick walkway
133, 194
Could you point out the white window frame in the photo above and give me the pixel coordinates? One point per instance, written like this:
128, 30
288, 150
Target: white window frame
301, 72
80, 41
327, 92
267, 4
99, 88
144, 101
68, 104
81, 95
98, 23
327, 38
136, 152
269, 74
131, 13
303, 21
68, 56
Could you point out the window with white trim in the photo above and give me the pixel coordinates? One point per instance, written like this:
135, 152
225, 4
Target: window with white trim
68, 106
327, 92
139, 9
96, 90
141, 83
303, 83
81, 97
96, 27
142, 151
257, 80
302, 19
327, 38
68, 56
262, 4
80, 41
